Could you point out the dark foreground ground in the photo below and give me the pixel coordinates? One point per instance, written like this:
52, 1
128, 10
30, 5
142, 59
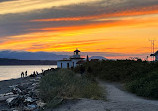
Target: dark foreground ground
117, 99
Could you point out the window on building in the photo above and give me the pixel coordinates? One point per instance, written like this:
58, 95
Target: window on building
61, 65
73, 64
68, 65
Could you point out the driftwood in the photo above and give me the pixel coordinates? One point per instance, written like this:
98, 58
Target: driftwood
24, 96
4, 97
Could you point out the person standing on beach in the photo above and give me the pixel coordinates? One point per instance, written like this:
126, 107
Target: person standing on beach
34, 73
26, 74
22, 74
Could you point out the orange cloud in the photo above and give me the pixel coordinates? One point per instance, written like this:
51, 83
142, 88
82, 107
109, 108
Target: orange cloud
103, 24
130, 12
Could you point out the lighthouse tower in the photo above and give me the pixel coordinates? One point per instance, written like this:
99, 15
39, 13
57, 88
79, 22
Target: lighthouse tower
76, 54
72, 62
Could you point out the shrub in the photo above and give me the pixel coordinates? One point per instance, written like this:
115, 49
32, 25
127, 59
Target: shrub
146, 86
63, 84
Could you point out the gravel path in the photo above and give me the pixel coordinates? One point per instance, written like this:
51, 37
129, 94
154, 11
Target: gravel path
114, 94
124, 101
117, 100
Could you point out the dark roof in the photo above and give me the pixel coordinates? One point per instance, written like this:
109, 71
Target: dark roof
64, 60
76, 58
76, 50
156, 53
80, 62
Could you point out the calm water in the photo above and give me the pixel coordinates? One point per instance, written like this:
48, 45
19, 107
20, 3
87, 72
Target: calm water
9, 72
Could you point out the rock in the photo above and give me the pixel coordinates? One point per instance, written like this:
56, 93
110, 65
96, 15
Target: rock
24, 97
34, 80
4, 97
35, 84
29, 100
9, 100
33, 95
30, 107
13, 86
22, 87
17, 101
5, 110
16, 90
10, 93
14, 109
40, 104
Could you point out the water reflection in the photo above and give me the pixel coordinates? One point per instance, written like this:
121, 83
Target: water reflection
9, 72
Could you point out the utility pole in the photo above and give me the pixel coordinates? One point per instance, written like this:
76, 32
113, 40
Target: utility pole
152, 49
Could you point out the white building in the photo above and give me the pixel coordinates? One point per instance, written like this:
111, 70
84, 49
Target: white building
72, 62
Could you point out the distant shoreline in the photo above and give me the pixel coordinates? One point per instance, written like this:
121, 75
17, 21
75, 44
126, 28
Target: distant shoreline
6, 61
30, 65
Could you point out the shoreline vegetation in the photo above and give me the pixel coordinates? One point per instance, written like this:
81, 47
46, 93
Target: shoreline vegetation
64, 84
139, 77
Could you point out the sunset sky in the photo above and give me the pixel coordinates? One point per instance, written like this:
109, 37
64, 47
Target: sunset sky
110, 28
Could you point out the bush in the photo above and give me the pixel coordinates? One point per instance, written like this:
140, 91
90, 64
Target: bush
63, 84
145, 86
120, 70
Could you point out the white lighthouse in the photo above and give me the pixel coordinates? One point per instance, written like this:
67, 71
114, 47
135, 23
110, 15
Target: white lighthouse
72, 62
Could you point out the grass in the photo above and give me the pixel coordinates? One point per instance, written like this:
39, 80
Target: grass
64, 84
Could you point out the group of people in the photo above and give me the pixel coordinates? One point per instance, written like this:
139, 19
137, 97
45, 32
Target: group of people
34, 74
24, 74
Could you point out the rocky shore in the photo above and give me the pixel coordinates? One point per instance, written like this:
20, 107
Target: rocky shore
20, 94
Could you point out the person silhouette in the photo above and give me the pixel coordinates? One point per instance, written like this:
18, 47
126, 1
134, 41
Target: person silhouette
34, 73
25, 73
22, 74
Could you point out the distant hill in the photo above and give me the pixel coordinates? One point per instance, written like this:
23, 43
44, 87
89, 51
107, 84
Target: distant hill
31, 55
5, 61
98, 57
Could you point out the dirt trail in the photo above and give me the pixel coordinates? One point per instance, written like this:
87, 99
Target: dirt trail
114, 94
117, 100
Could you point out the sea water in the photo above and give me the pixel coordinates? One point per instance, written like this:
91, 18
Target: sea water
12, 72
